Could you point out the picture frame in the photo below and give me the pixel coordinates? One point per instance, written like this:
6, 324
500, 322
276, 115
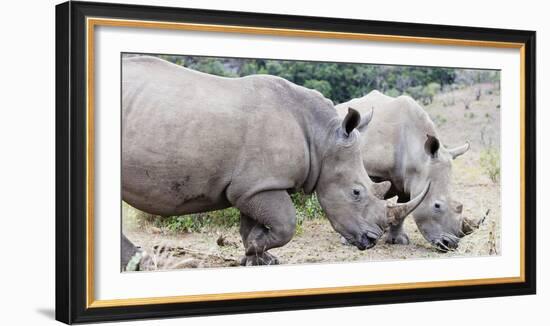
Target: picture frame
76, 27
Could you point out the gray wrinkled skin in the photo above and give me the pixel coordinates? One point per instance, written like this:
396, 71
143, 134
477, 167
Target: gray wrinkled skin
193, 142
401, 146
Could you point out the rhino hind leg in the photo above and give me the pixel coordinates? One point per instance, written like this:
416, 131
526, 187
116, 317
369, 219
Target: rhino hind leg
268, 220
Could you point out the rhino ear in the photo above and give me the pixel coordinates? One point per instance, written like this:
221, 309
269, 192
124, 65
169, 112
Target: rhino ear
431, 146
365, 120
351, 121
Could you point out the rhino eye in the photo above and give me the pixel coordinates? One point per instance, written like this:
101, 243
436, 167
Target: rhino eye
438, 207
356, 193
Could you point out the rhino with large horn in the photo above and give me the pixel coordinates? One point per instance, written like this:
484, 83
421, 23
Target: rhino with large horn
401, 145
193, 142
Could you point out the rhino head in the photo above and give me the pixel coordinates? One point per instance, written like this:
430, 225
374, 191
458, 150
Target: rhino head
439, 217
350, 199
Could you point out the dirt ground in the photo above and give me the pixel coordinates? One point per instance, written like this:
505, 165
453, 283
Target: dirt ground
319, 243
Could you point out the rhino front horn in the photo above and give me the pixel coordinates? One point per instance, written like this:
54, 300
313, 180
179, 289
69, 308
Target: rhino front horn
396, 213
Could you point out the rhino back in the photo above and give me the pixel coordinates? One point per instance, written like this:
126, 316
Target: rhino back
188, 137
394, 139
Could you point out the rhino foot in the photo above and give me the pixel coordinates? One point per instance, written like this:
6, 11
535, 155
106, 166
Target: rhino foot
401, 238
259, 259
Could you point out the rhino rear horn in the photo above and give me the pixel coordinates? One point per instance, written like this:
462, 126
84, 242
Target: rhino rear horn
367, 118
380, 189
457, 151
396, 213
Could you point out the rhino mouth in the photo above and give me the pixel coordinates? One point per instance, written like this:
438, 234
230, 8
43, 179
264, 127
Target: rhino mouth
367, 240
358, 244
446, 243
449, 242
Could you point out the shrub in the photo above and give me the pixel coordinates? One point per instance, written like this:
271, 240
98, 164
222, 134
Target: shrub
393, 92
439, 120
307, 208
228, 217
322, 86
424, 94
490, 161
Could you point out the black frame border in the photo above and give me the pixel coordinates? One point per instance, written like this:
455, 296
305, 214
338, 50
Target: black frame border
71, 161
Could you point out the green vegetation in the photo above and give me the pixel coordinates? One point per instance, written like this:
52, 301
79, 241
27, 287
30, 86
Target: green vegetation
197, 222
307, 208
439, 120
490, 162
342, 81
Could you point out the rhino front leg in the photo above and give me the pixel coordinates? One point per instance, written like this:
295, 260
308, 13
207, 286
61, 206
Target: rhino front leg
396, 235
247, 224
268, 220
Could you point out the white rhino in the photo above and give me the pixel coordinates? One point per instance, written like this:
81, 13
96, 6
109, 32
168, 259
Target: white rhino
401, 145
193, 142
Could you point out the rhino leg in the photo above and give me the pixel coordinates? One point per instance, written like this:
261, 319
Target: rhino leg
246, 226
396, 234
128, 251
268, 220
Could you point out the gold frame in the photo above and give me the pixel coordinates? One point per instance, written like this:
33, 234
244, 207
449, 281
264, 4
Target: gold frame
92, 22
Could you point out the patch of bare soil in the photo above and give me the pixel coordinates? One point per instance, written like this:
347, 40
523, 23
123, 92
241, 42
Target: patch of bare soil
459, 117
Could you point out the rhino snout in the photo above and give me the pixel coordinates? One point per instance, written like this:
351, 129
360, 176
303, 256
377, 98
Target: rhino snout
367, 241
446, 243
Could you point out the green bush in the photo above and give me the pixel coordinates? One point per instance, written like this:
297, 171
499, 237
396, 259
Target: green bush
228, 217
424, 94
490, 161
439, 120
393, 92
344, 81
320, 85
338, 81
307, 208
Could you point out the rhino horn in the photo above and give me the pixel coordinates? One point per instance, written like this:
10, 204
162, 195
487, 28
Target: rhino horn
365, 120
380, 189
469, 225
396, 213
457, 151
